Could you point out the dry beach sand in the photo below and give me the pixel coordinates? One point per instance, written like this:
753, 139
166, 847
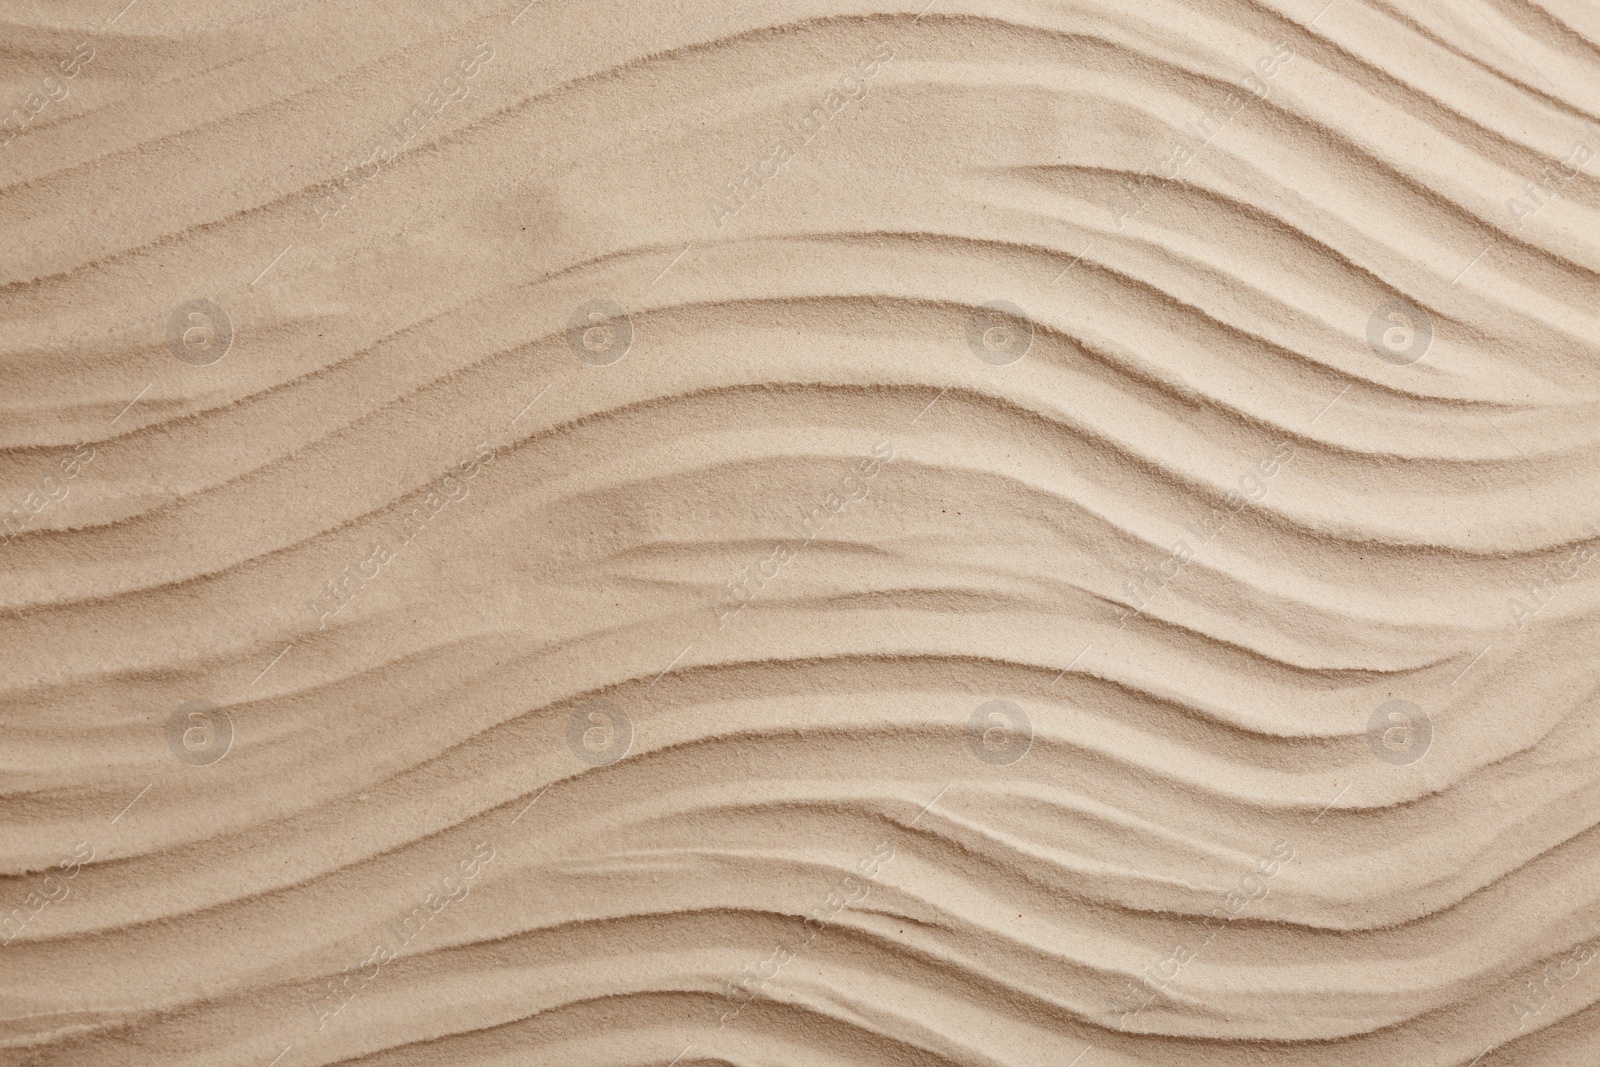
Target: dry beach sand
982, 532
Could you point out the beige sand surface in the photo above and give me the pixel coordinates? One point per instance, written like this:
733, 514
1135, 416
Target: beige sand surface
800, 534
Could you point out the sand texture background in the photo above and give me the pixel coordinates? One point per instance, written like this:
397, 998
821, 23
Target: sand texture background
1002, 532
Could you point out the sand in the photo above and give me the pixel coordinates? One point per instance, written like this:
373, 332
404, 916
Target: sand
984, 533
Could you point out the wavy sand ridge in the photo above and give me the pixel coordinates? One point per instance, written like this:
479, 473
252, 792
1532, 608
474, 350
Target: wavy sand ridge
965, 534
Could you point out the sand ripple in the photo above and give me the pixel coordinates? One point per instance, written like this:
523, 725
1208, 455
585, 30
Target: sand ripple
806, 534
